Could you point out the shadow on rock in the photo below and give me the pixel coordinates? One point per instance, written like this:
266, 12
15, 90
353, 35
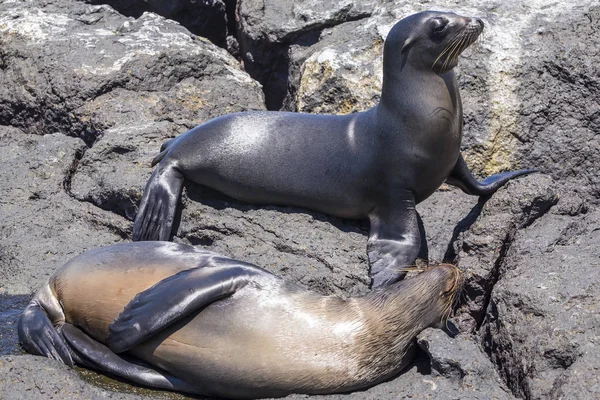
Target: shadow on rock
219, 201
11, 307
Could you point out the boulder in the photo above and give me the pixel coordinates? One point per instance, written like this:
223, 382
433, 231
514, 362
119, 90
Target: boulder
267, 28
541, 325
206, 18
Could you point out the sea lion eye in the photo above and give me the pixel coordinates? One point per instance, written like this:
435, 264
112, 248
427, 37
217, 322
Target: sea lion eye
439, 25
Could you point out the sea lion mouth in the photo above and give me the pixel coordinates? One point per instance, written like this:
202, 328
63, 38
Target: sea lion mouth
465, 37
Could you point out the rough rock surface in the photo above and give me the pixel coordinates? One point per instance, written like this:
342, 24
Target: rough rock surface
267, 28
87, 95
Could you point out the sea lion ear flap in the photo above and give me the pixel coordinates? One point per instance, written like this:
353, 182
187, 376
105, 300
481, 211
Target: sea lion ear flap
406, 45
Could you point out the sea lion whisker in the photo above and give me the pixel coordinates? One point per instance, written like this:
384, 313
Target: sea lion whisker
455, 47
455, 39
464, 43
449, 56
408, 269
450, 43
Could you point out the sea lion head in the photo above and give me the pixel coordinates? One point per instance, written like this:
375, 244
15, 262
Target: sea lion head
447, 281
399, 312
430, 40
430, 297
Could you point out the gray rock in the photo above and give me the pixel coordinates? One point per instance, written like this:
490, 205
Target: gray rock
42, 226
87, 96
461, 360
130, 85
324, 253
123, 72
483, 243
267, 28
542, 326
37, 378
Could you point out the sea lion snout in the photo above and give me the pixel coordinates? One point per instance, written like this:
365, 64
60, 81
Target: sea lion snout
450, 277
475, 24
477, 21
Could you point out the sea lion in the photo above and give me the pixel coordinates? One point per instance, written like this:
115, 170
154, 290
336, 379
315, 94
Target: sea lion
191, 320
376, 164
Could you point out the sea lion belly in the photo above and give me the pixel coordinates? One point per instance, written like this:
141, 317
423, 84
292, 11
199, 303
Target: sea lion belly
272, 336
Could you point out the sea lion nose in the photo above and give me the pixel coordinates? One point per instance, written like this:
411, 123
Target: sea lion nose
477, 21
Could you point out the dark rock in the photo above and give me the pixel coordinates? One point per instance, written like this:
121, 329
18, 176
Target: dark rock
38, 378
446, 214
206, 18
267, 28
533, 102
321, 252
130, 85
481, 248
341, 73
124, 70
42, 227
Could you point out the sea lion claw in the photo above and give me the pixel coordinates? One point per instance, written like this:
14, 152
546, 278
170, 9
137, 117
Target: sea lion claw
38, 336
157, 209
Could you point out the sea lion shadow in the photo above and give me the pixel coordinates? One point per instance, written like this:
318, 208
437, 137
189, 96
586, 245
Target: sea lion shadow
451, 254
220, 201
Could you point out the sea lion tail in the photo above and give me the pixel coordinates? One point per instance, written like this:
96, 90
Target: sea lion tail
164, 149
38, 335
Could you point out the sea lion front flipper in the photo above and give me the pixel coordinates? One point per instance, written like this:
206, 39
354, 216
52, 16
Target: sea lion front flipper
462, 178
154, 219
95, 355
394, 240
175, 297
38, 336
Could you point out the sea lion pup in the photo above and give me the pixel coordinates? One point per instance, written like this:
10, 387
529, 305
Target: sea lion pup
376, 164
194, 321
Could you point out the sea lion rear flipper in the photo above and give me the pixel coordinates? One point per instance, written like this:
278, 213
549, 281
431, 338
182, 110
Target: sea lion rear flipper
38, 336
462, 178
175, 297
156, 214
394, 240
95, 355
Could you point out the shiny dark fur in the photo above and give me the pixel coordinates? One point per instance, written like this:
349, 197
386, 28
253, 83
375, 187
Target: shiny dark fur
377, 164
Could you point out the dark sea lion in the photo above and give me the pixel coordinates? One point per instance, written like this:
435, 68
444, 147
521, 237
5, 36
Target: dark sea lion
190, 320
376, 164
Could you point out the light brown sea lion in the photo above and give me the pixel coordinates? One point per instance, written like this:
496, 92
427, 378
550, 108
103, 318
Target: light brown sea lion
175, 317
375, 164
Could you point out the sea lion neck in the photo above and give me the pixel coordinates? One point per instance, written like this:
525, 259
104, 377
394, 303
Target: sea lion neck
407, 89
